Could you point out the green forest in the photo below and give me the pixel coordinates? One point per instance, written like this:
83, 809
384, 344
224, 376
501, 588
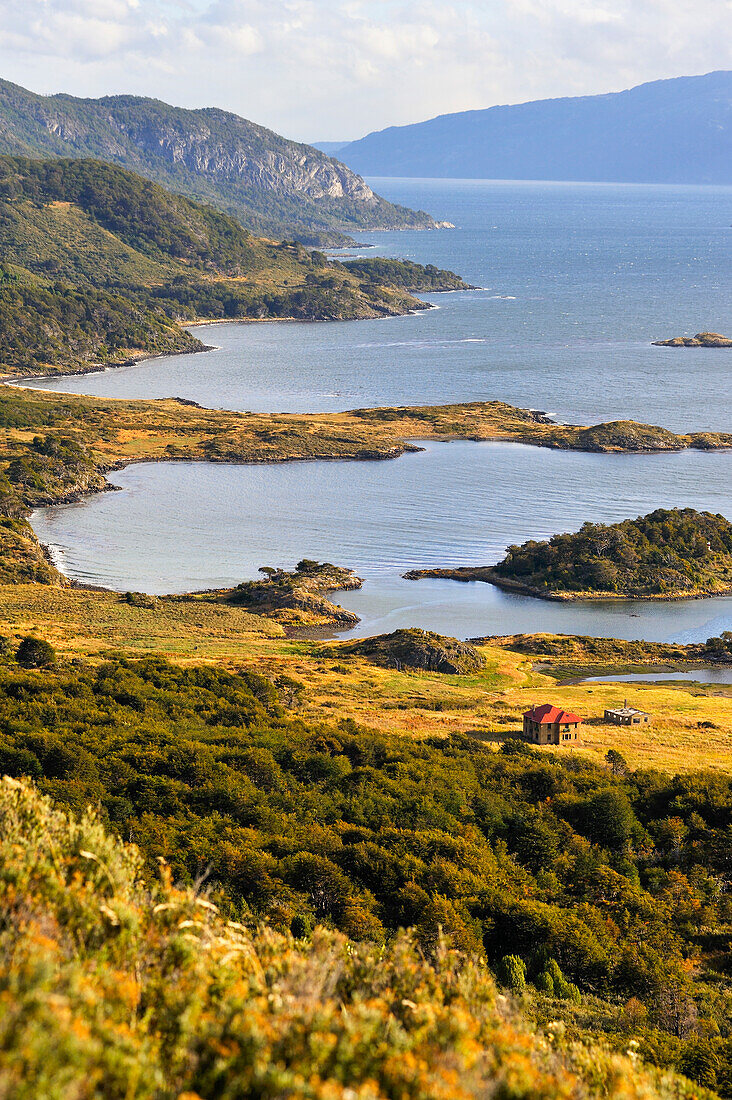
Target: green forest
603, 892
667, 552
98, 265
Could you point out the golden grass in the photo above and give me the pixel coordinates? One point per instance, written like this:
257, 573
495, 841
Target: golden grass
83, 623
487, 705
119, 431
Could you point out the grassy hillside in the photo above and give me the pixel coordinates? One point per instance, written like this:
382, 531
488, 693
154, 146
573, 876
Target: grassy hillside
274, 187
116, 990
99, 265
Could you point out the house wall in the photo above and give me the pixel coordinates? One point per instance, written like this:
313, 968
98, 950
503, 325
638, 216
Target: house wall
551, 733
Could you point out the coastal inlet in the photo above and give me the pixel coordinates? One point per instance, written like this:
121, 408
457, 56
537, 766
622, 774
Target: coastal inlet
179, 527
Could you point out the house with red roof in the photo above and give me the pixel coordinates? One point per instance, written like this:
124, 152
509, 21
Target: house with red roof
550, 725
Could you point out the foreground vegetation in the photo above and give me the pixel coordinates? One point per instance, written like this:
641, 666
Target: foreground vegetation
608, 883
117, 990
669, 553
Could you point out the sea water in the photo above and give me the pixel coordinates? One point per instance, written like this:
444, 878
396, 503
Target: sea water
575, 281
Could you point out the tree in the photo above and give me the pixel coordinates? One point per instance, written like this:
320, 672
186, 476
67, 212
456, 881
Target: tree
511, 972
617, 762
35, 653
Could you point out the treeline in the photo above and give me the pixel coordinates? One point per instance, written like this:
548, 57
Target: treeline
406, 274
65, 326
599, 882
667, 551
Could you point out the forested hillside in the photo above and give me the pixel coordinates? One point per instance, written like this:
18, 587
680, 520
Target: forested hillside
273, 186
610, 888
100, 265
114, 990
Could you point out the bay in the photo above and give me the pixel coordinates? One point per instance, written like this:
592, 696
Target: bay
177, 526
576, 280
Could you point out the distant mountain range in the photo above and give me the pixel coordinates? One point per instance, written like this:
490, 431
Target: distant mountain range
668, 131
274, 187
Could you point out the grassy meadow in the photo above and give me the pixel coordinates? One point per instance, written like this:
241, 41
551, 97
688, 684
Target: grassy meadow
692, 722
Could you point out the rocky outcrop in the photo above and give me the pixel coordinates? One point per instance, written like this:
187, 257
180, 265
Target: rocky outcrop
298, 598
701, 340
627, 436
418, 649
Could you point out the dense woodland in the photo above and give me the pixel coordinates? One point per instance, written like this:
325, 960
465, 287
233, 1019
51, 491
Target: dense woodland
669, 551
611, 887
97, 265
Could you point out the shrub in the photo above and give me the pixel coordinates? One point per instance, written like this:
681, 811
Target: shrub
35, 653
512, 973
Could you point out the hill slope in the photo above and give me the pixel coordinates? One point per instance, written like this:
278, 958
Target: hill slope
113, 990
273, 186
99, 265
667, 131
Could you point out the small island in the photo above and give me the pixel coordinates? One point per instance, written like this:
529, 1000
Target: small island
667, 554
701, 340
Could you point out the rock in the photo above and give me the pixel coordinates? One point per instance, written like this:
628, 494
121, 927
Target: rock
701, 340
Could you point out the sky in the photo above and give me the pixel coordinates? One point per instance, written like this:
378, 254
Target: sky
337, 69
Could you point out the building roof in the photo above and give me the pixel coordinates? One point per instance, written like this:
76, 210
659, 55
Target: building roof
625, 712
547, 714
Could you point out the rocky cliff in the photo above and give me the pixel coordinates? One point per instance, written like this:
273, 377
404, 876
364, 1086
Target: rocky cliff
274, 186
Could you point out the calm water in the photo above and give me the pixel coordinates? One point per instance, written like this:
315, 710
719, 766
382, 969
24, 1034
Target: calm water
697, 675
181, 526
577, 280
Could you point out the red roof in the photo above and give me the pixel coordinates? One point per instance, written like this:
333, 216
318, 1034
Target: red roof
548, 714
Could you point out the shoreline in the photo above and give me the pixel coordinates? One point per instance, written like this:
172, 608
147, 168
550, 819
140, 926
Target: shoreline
23, 380
485, 574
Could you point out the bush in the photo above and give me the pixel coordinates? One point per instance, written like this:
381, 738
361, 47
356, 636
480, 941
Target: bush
35, 653
511, 973
111, 989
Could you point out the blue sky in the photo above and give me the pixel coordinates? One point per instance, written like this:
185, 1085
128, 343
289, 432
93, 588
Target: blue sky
335, 69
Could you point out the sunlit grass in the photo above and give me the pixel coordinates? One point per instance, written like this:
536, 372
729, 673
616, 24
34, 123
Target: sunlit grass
487, 705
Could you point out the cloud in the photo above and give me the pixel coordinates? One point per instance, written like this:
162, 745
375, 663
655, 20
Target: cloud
338, 68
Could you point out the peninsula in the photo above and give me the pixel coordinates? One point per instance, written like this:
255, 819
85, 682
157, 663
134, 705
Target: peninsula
667, 554
295, 599
100, 267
